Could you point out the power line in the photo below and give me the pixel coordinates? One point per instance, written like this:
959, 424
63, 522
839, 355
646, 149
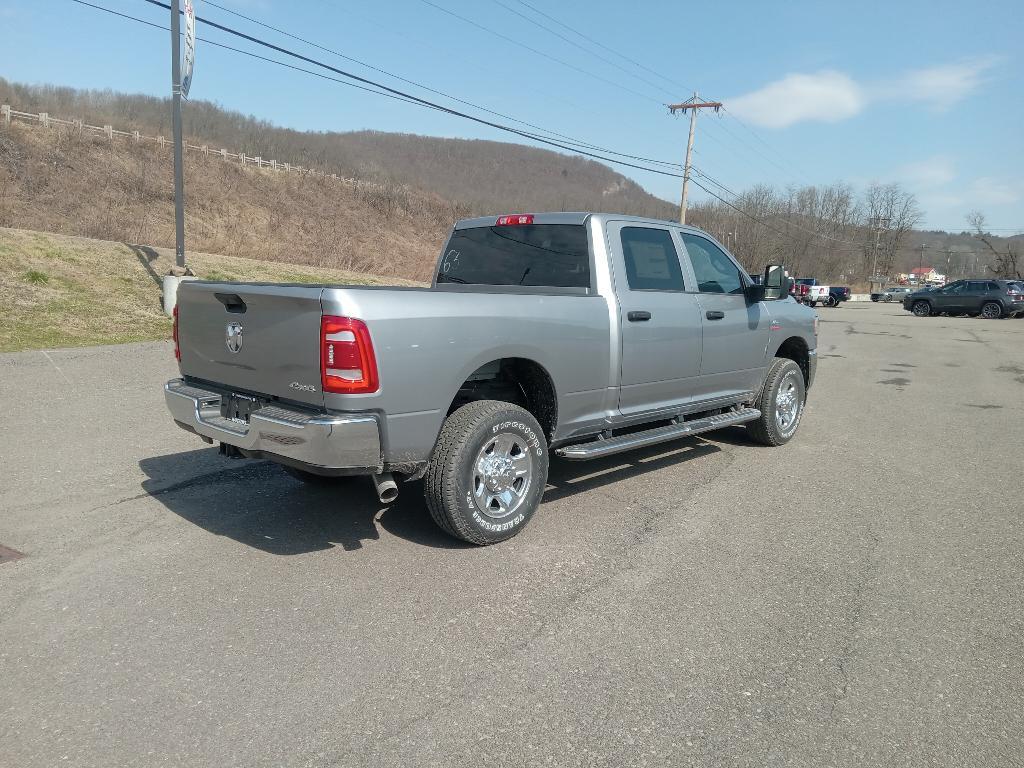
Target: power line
541, 53
393, 92
790, 171
760, 154
248, 53
758, 136
566, 138
409, 98
415, 83
599, 44
573, 43
821, 235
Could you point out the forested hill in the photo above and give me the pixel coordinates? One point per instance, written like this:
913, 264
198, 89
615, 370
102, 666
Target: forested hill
484, 176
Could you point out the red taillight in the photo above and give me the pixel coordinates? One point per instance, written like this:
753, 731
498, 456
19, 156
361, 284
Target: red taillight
348, 365
177, 346
514, 220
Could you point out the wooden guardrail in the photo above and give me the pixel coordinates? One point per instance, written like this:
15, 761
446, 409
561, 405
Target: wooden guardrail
45, 120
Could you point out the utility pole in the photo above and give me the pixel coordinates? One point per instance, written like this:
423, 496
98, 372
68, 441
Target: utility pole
920, 262
179, 182
878, 222
692, 105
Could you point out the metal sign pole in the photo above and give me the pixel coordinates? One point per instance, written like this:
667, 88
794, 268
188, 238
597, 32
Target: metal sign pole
179, 182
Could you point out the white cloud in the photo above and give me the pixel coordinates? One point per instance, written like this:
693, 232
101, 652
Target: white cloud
931, 172
941, 86
827, 96
830, 96
988, 190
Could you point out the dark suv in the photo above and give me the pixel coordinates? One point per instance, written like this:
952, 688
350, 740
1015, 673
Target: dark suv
989, 298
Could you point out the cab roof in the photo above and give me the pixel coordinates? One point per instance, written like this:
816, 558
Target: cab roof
574, 217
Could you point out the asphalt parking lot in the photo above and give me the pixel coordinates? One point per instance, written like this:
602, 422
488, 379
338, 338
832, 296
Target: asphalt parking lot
852, 599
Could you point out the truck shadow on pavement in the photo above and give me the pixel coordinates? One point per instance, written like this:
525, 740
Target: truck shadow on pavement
257, 504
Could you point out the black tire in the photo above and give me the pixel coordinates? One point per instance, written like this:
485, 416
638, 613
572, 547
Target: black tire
991, 310
770, 429
312, 478
832, 301
922, 309
887, 299
453, 487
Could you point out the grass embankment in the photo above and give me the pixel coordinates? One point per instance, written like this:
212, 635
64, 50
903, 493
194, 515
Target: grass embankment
63, 291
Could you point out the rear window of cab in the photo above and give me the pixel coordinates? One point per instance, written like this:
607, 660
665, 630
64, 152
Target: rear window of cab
538, 255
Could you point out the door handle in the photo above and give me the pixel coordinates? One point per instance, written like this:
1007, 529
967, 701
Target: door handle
638, 316
714, 314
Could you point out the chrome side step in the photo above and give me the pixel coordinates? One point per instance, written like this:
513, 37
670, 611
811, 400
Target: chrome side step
599, 448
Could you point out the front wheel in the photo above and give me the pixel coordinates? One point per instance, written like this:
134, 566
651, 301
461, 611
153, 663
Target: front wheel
887, 299
991, 310
922, 309
487, 473
781, 403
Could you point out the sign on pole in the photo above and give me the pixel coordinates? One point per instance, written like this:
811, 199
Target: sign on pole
190, 47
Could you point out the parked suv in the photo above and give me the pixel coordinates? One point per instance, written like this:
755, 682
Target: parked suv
896, 293
991, 299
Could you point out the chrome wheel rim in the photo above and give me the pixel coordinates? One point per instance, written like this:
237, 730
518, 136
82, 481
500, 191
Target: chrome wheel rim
787, 403
502, 475
990, 311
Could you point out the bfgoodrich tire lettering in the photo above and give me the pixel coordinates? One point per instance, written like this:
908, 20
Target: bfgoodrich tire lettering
781, 403
487, 473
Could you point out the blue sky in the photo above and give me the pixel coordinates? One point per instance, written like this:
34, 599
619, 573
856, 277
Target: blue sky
924, 93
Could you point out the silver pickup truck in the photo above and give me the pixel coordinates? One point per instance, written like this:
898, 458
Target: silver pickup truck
577, 334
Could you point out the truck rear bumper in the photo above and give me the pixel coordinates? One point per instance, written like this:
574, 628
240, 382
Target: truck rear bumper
324, 443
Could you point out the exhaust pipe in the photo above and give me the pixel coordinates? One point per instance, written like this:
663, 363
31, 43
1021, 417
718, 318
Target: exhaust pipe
386, 487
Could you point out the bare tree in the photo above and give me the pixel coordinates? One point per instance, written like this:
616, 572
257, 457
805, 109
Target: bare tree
899, 208
1007, 262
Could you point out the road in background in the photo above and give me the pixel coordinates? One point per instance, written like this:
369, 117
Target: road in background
851, 599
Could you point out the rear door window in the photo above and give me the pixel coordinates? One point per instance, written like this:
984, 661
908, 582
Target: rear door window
652, 263
548, 255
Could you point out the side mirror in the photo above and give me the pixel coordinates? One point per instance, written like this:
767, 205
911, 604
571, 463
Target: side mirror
774, 282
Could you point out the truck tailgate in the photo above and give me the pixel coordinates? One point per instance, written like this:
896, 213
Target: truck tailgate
263, 339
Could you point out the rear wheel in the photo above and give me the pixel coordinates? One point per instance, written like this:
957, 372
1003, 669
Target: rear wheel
781, 403
831, 301
991, 310
487, 473
922, 309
